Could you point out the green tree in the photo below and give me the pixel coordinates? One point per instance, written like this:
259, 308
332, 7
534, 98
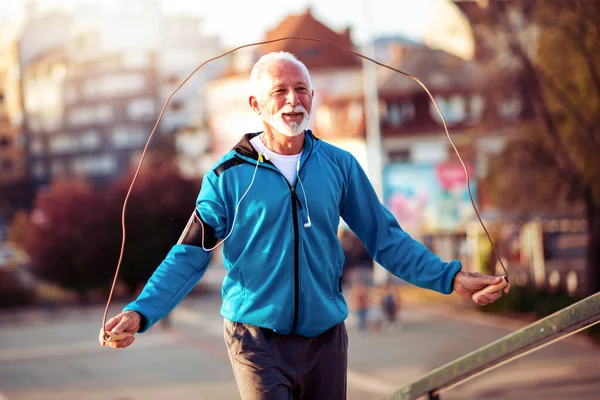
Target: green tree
66, 240
554, 163
158, 209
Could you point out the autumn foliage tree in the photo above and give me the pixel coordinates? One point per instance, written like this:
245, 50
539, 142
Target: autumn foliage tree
75, 234
66, 241
158, 209
555, 162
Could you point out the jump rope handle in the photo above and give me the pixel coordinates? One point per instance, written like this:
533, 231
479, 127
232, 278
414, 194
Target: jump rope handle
490, 289
111, 339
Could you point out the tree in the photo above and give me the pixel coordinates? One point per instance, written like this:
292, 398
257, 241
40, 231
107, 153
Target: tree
66, 241
158, 209
554, 163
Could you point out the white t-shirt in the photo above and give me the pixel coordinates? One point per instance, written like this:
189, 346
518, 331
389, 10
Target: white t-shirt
287, 164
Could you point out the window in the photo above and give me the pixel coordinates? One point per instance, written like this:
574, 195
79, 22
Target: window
310, 52
101, 113
116, 85
36, 146
398, 113
62, 144
141, 108
454, 109
477, 107
125, 137
4, 142
510, 107
103, 164
90, 140
399, 156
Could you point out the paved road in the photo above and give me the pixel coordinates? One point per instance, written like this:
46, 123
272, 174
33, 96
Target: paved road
56, 357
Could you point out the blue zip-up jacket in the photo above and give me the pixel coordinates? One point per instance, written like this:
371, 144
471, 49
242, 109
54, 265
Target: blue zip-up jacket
281, 275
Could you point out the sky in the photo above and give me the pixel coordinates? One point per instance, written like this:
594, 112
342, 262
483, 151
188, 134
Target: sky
238, 22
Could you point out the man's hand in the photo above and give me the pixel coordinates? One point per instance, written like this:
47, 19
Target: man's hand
468, 283
125, 322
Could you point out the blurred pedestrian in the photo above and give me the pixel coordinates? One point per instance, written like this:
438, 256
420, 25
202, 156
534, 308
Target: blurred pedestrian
390, 304
275, 200
360, 301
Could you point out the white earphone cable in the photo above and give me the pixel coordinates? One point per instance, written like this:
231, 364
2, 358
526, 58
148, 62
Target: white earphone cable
308, 224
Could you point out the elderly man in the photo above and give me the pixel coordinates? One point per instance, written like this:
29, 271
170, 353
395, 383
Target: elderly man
275, 200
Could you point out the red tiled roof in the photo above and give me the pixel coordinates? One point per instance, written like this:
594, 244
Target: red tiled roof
313, 54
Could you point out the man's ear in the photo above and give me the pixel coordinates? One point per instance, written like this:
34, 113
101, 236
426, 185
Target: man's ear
253, 101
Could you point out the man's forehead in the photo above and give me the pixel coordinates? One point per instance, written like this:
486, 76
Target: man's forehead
284, 72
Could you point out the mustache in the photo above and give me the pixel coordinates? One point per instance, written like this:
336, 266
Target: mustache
289, 109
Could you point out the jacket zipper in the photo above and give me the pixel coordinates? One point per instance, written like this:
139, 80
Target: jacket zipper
294, 197
295, 201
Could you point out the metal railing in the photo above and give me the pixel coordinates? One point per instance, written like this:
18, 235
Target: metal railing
533, 337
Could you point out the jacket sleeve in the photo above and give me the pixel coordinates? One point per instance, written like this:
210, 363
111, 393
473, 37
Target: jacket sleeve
387, 242
183, 266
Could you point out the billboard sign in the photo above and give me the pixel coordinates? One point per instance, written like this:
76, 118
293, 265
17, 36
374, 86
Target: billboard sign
430, 197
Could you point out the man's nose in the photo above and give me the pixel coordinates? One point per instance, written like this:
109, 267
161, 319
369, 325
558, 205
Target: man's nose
292, 98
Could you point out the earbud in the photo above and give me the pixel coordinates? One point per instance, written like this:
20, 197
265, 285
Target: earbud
308, 224
298, 165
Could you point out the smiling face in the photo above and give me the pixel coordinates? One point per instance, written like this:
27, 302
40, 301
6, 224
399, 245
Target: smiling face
285, 98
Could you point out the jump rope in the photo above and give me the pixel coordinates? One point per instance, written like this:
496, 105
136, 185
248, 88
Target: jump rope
110, 338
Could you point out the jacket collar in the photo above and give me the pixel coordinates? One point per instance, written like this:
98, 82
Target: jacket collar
245, 148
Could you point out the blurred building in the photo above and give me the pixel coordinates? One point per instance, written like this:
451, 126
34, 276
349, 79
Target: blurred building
41, 31
43, 92
106, 80
11, 113
13, 188
181, 51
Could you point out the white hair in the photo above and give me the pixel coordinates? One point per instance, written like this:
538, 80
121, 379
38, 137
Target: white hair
261, 65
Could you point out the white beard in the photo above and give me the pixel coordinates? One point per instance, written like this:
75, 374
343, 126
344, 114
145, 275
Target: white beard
290, 129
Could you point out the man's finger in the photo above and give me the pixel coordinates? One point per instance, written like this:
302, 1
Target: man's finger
480, 302
123, 325
492, 297
121, 344
112, 323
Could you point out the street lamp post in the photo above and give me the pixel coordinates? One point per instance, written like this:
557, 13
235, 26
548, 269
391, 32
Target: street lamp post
373, 133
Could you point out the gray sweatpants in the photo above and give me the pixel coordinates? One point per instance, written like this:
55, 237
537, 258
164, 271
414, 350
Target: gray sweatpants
269, 366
